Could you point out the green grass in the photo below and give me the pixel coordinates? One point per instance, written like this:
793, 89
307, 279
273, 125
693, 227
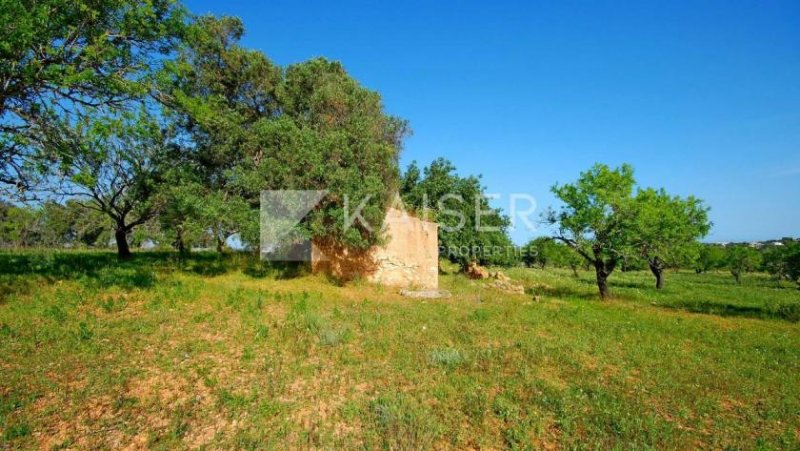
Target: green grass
225, 352
759, 296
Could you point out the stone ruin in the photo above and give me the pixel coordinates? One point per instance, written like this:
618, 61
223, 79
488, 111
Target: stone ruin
409, 258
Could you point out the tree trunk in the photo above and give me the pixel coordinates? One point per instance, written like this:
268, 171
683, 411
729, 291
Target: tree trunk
602, 282
659, 273
603, 268
123, 250
220, 244
657, 268
180, 244
575, 271
737, 277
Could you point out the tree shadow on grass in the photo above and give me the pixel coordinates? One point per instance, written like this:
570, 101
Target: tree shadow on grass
103, 269
562, 292
615, 283
206, 264
96, 269
258, 269
784, 311
55, 265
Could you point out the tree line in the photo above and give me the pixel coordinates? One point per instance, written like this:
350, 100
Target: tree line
123, 121
151, 121
611, 222
781, 260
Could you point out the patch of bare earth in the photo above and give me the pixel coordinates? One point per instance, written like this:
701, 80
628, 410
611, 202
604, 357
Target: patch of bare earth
145, 408
319, 399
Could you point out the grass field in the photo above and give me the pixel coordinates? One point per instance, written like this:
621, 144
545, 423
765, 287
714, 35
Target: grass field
222, 352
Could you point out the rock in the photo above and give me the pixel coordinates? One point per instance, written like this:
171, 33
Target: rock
499, 280
506, 285
427, 294
475, 271
500, 276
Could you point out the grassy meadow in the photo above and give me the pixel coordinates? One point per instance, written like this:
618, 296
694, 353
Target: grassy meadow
222, 352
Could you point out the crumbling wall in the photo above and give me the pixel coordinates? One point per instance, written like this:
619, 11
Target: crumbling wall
408, 258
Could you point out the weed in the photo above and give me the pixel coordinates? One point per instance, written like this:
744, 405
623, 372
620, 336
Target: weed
402, 423
262, 332
85, 331
333, 337
448, 357
17, 430
56, 313
479, 315
506, 409
475, 404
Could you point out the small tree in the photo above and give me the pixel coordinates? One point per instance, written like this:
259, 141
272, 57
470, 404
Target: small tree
532, 255
89, 227
597, 218
539, 252
666, 227
544, 251
783, 262
469, 229
564, 257
741, 259
709, 257
183, 199
56, 225
17, 225
793, 265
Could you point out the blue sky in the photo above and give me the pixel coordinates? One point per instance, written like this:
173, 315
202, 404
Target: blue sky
701, 98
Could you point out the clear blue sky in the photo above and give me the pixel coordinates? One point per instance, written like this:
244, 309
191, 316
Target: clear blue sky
700, 97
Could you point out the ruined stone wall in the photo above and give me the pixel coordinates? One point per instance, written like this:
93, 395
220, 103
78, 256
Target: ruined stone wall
409, 258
